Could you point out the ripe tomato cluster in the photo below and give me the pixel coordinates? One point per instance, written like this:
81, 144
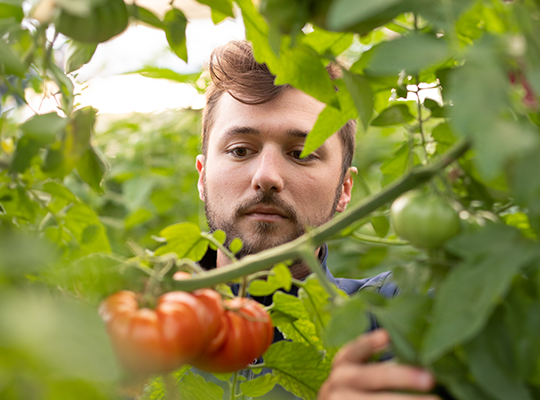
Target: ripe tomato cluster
197, 328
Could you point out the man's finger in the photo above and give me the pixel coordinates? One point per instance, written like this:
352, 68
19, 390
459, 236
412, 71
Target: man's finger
382, 376
347, 394
359, 350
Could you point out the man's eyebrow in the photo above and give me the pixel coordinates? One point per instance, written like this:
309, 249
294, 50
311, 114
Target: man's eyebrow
247, 130
240, 130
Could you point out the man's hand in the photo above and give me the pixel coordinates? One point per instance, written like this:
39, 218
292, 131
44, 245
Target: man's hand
352, 378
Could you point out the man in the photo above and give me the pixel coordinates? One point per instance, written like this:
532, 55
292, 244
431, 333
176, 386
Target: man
256, 187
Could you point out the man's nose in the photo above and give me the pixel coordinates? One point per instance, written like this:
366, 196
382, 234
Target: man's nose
268, 174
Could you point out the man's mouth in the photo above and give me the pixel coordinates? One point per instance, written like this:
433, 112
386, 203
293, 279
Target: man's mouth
265, 213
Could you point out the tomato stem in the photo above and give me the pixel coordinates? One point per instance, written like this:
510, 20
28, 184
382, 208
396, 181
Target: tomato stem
225, 250
378, 240
308, 254
232, 386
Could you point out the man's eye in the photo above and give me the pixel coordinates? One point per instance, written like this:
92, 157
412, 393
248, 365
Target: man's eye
296, 155
239, 152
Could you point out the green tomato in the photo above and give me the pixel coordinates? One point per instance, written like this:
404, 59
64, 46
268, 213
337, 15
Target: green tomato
426, 221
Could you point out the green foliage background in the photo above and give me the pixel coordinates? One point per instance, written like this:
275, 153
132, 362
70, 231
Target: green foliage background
87, 209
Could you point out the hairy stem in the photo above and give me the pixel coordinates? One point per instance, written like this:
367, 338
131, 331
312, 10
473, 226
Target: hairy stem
378, 240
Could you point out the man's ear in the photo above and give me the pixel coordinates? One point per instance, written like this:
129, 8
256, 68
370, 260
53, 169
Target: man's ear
346, 190
199, 164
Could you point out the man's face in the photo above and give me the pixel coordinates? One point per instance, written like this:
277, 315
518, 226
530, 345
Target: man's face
253, 182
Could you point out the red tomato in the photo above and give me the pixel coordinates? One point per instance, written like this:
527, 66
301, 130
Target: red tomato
161, 340
248, 334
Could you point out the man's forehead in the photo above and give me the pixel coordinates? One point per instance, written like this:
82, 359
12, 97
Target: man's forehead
292, 111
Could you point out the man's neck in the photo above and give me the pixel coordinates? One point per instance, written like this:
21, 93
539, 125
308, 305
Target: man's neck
299, 270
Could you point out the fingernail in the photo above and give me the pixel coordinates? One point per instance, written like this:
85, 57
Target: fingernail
425, 380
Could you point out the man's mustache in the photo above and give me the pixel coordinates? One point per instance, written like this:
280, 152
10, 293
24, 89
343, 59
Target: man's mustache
269, 199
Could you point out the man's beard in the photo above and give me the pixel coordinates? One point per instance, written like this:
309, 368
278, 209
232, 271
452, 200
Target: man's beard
262, 238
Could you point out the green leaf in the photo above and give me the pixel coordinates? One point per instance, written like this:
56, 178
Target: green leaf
27, 149
45, 127
64, 338
236, 245
65, 85
444, 137
520, 220
223, 6
11, 60
522, 322
80, 8
78, 218
281, 278
411, 53
492, 256
436, 110
292, 319
404, 317
165, 73
323, 41
92, 167
344, 13
330, 120
360, 90
526, 186
452, 373
503, 141
78, 54
396, 114
479, 107
78, 135
176, 23
195, 387
394, 167
316, 301
217, 16
302, 68
137, 191
137, 218
11, 11
96, 276
300, 368
185, 240
289, 305
381, 225
491, 373
259, 386
348, 322
220, 236
59, 191
282, 275
144, 15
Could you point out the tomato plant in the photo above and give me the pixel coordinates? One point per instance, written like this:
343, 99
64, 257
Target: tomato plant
420, 80
150, 341
426, 221
248, 334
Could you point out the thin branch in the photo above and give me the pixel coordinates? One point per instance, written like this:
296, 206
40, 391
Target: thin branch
378, 240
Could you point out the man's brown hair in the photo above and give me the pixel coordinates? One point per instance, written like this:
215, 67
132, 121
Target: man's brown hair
233, 69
